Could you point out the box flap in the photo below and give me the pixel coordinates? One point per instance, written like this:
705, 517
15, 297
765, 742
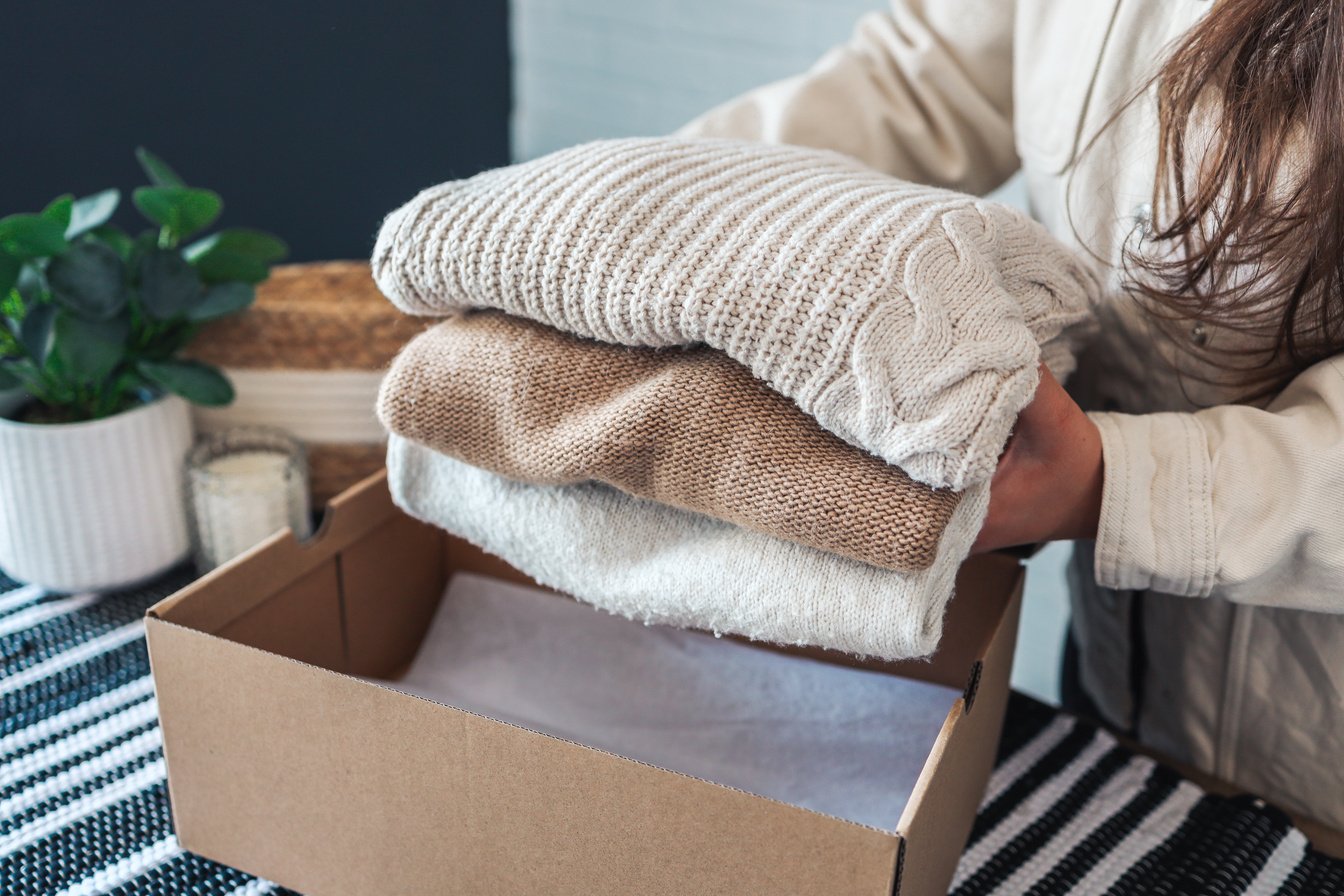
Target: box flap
229, 591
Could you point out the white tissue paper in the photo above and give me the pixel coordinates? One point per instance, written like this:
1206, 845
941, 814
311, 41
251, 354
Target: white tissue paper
844, 742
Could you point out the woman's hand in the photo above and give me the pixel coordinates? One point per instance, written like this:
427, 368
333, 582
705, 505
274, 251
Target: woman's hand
1048, 483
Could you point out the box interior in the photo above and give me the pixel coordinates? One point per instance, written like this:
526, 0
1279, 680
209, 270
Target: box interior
849, 743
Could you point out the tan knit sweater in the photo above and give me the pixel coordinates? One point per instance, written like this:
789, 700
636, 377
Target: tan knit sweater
689, 428
907, 320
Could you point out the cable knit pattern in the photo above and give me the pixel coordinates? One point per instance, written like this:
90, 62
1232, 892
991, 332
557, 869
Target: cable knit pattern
658, 564
907, 320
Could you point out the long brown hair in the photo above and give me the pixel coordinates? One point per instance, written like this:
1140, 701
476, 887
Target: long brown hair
1250, 188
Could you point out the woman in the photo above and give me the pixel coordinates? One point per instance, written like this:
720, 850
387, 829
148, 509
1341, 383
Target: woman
1195, 150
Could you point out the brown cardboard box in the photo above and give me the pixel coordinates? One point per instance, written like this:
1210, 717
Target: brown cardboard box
284, 764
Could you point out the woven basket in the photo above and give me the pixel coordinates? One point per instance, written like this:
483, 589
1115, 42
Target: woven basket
307, 358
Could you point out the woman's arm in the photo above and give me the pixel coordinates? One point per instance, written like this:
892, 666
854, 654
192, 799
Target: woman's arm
923, 92
1244, 503
1233, 500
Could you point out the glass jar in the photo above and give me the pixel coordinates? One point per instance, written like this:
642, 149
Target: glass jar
244, 485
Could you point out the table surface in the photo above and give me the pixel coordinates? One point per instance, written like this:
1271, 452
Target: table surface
84, 801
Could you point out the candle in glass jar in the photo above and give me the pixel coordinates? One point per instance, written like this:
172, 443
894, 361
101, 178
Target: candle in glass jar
245, 485
249, 463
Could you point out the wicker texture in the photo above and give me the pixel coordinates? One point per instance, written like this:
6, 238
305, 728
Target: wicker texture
907, 320
693, 429
325, 316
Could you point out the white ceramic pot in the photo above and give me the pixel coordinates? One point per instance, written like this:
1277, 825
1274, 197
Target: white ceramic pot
96, 505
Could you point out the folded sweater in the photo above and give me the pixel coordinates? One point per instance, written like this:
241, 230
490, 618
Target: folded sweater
905, 319
659, 564
686, 427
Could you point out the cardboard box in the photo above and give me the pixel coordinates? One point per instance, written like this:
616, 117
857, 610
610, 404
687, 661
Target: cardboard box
282, 763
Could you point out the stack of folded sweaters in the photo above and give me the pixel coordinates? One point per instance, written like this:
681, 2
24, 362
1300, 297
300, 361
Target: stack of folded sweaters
754, 389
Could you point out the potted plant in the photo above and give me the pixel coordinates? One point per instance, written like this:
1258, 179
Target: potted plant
92, 321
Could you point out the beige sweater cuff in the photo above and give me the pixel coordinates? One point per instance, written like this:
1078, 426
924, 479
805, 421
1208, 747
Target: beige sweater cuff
1156, 529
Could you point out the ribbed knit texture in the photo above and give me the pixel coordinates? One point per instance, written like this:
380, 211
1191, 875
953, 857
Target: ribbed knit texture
907, 320
658, 564
690, 428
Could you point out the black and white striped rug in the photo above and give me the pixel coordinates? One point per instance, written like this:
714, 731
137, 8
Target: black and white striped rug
84, 803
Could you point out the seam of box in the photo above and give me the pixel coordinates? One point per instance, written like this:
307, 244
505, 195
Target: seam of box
972, 685
900, 867
339, 559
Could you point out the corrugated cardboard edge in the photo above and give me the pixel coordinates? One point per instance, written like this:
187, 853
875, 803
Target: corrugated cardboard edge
948, 792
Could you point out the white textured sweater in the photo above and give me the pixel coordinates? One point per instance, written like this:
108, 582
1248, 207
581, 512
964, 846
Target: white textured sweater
907, 320
660, 564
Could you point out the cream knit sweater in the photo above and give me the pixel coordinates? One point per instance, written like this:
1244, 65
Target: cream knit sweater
658, 564
907, 320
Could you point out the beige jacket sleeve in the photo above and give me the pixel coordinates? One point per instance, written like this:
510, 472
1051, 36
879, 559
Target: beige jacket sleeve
923, 92
1233, 501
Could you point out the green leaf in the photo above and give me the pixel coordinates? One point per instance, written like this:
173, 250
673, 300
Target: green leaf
157, 170
169, 287
89, 280
32, 236
145, 242
223, 266
182, 210
89, 350
91, 212
32, 284
9, 340
11, 307
35, 332
9, 272
236, 254
169, 344
196, 382
59, 210
252, 243
21, 373
115, 240
221, 300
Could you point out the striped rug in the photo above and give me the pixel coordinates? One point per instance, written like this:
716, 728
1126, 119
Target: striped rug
84, 803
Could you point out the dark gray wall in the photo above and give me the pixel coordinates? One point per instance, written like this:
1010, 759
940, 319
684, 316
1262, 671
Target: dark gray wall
312, 119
